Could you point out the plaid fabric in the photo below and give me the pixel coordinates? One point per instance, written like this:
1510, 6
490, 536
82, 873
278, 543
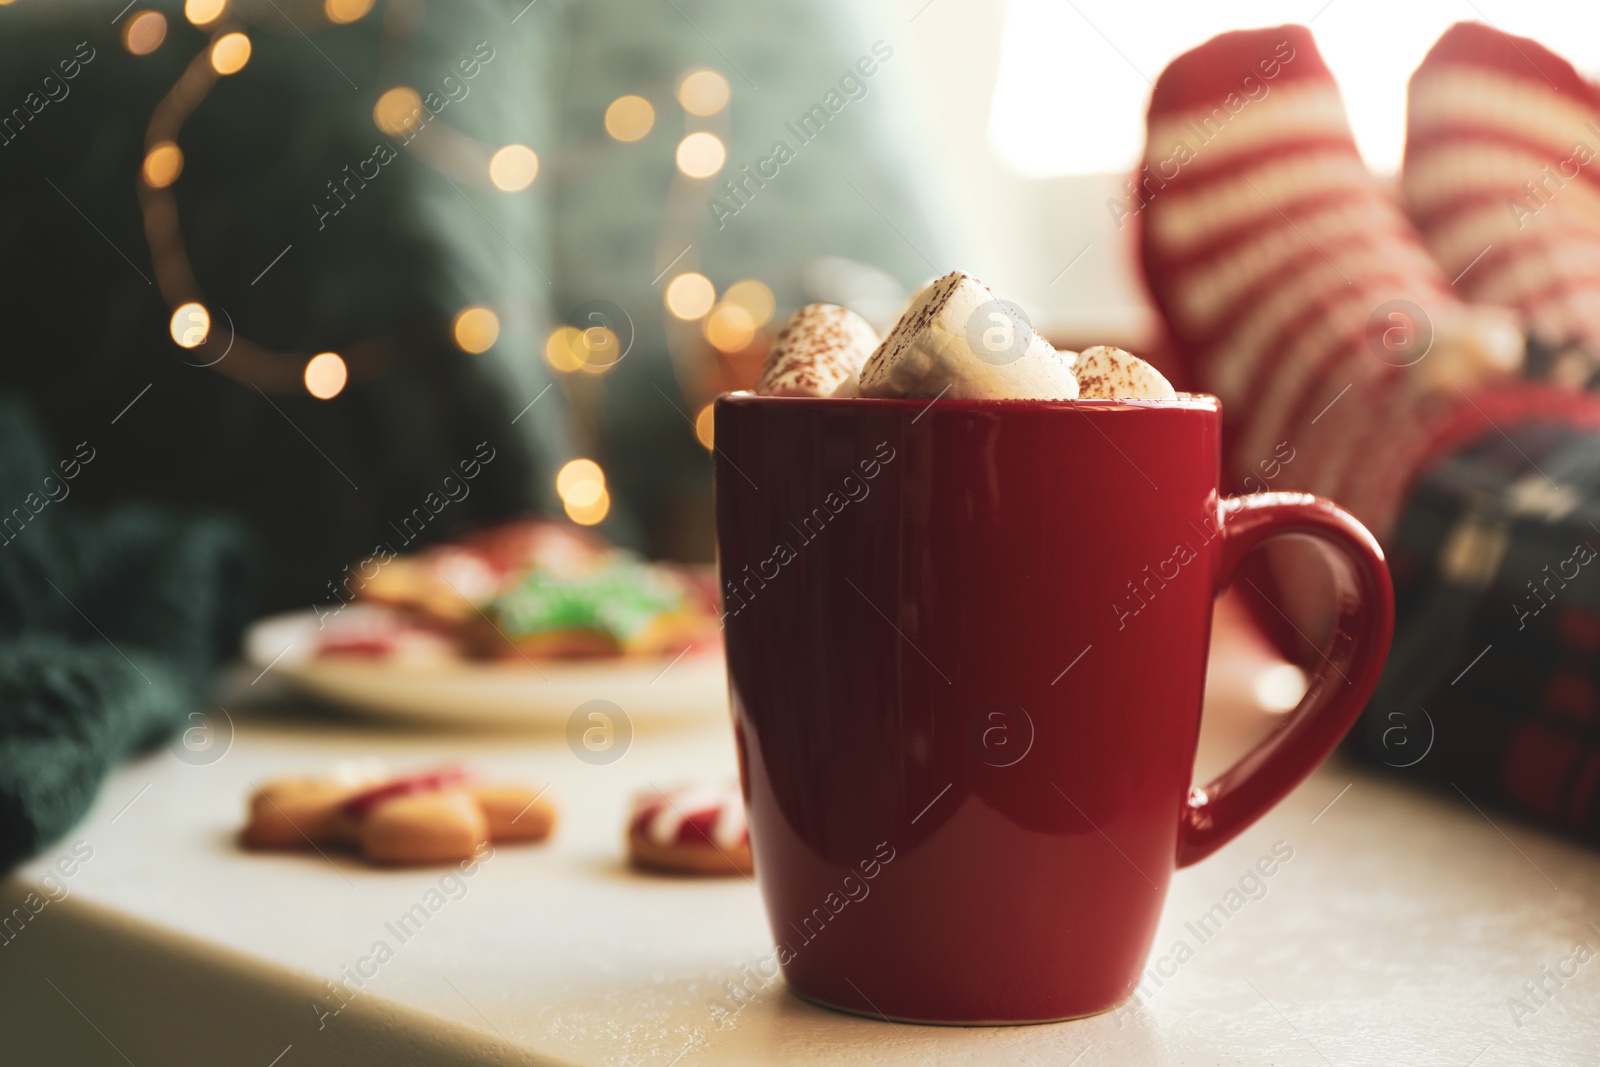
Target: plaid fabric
1491, 685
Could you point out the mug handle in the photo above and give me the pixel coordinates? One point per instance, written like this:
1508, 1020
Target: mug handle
1218, 812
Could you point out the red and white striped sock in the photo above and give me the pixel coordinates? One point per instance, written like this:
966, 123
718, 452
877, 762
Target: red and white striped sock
1502, 177
1296, 290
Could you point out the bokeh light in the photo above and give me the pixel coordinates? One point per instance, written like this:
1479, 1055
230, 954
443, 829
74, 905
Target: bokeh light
581, 485
230, 53
191, 324
599, 350
755, 298
689, 296
513, 168
705, 92
591, 513
563, 349
162, 165
703, 423
144, 32
730, 328
397, 109
202, 12
477, 329
326, 375
343, 11
629, 118
700, 155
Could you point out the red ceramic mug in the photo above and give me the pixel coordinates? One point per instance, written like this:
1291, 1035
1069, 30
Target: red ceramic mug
966, 647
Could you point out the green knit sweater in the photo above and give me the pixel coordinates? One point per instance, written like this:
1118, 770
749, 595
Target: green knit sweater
112, 623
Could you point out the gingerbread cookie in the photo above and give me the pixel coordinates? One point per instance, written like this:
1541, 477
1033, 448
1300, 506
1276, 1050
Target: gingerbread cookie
436, 817
690, 830
416, 829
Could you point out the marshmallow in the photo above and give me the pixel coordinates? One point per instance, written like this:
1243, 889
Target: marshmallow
1106, 373
850, 387
958, 340
917, 297
821, 348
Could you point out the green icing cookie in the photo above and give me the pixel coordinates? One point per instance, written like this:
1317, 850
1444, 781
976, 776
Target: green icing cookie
620, 597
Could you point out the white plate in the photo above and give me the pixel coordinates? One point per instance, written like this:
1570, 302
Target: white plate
516, 693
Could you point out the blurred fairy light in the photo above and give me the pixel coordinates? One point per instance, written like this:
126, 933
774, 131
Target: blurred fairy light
562, 349
343, 11
581, 484
477, 329
598, 349
204, 12
191, 324
592, 351
397, 109
702, 427
590, 514
1279, 688
700, 155
144, 32
513, 168
729, 328
326, 375
704, 92
629, 118
755, 298
162, 165
580, 481
689, 296
230, 53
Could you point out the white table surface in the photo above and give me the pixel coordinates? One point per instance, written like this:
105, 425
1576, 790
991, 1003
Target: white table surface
1397, 934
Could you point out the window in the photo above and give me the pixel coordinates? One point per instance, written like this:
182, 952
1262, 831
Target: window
1075, 75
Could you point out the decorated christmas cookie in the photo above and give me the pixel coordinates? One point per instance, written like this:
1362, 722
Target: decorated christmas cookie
690, 830
616, 605
436, 817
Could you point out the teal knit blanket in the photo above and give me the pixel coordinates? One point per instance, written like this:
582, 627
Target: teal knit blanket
112, 623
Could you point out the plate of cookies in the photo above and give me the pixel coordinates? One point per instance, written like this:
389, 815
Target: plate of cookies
518, 624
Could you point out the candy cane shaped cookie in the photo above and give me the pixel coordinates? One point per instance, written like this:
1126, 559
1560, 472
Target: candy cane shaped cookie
691, 830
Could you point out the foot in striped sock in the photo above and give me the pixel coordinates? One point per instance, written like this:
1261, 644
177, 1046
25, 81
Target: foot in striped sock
1294, 286
1296, 290
1502, 178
